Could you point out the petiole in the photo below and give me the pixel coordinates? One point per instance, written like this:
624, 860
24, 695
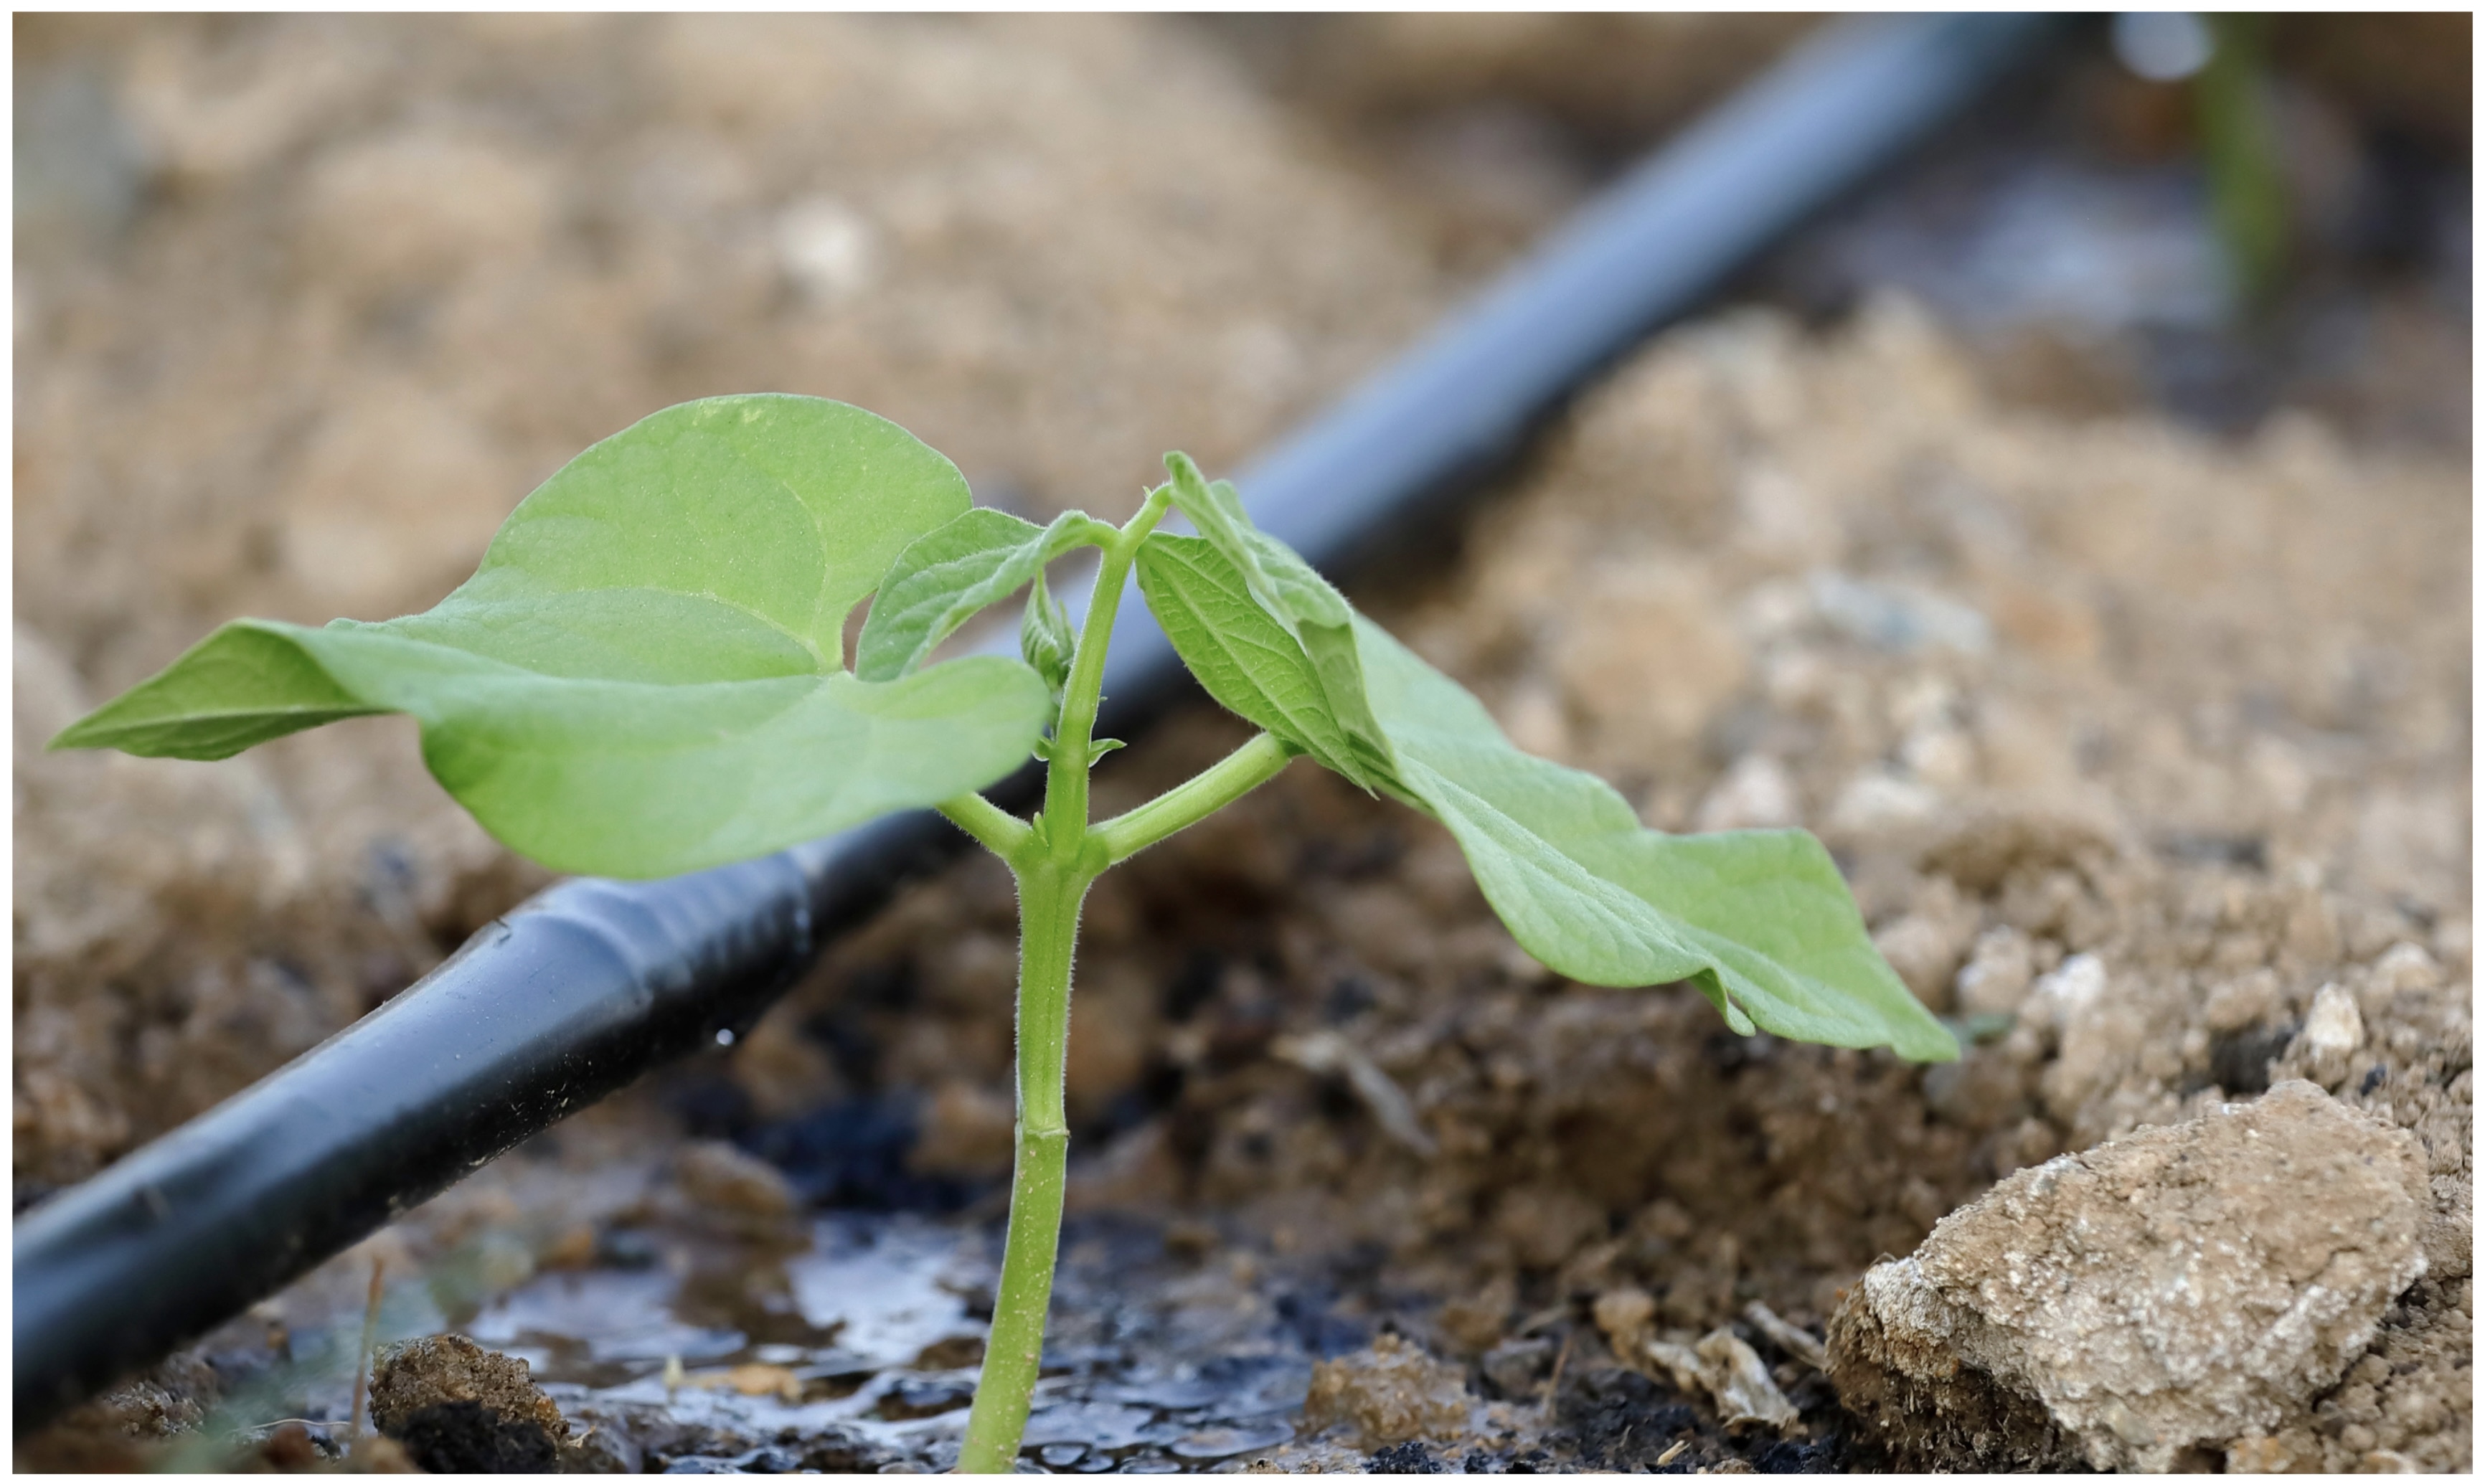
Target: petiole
1177, 809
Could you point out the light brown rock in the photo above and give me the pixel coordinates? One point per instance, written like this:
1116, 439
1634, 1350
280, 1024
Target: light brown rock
2183, 1287
1390, 1393
442, 1369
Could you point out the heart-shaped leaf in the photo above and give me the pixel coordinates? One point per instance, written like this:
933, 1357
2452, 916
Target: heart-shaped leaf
645, 674
1759, 919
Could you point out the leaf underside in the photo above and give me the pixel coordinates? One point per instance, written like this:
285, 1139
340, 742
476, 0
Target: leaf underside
1313, 615
1760, 920
645, 674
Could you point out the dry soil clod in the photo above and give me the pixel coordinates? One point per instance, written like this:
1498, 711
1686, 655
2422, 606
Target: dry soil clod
456, 1406
1391, 1392
2178, 1288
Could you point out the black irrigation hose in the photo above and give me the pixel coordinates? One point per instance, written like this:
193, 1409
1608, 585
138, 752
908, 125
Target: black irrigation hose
592, 983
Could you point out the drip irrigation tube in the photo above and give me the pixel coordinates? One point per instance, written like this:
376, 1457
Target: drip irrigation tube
590, 984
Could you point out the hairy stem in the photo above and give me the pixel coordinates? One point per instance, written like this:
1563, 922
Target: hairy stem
993, 827
1065, 785
1053, 864
1244, 769
1049, 900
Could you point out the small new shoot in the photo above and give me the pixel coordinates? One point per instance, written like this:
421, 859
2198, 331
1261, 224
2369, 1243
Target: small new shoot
647, 676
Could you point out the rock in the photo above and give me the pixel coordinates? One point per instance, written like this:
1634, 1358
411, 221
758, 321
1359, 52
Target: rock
1518, 1368
1927, 943
2182, 1287
1390, 1393
1756, 793
1999, 970
1623, 1315
1898, 618
2241, 1003
440, 1371
2332, 1032
1872, 802
1474, 1321
2406, 966
2062, 998
721, 1177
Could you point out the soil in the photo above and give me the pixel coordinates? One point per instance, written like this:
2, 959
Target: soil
2144, 746
316, 299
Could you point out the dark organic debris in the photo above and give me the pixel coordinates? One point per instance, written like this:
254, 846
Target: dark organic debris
467, 1437
1408, 1457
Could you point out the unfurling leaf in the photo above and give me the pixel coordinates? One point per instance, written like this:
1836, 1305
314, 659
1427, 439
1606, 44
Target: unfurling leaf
1242, 655
953, 573
1045, 640
1315, 617
644, 676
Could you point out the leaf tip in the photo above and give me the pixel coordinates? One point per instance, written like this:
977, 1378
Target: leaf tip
1938, 1045
1186, 476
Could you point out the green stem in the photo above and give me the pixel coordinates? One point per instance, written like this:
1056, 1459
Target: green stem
1244, 769
2239, 142
1054, 863
993, 827
1049, 900
1065, 785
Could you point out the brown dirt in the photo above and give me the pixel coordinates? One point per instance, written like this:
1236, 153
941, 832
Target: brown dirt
2147, 749
443, 1368
365, 281
2194, 749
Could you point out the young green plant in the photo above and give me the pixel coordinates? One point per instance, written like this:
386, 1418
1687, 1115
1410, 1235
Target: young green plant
646, 676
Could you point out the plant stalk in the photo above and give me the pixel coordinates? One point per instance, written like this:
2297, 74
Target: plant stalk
1055, 864
1049, 902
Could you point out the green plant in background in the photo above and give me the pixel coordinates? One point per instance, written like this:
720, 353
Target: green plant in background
646, 676
2240, 145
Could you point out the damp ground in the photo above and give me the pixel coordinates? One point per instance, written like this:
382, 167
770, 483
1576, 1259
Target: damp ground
2134, 702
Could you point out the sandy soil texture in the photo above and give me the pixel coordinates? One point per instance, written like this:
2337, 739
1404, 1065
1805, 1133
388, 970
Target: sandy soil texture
2145, 750
2136, 746
365, 282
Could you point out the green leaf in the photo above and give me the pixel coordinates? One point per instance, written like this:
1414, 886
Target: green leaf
951, 575
1045, 640
1314, 618
1759, 919
644, 676
787, 508
1252, 664
238, 688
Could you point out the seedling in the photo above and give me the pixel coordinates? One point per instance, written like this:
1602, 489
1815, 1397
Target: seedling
647, 676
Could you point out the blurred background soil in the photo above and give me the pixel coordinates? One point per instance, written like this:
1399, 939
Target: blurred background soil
2117, 642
